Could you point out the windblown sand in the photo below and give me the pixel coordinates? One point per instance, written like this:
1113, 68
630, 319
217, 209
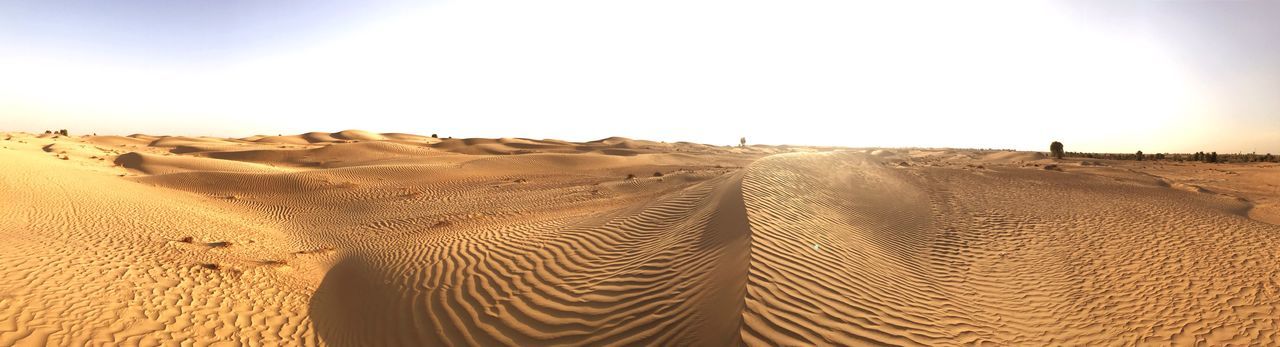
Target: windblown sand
363, 239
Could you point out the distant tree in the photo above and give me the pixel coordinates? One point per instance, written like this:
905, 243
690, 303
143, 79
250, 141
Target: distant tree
1159, 156
1213, 157
434, 136
1139, 155
63, 132
1056, 149
742, 142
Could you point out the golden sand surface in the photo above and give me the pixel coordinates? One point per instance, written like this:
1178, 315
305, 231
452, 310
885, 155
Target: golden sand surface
356, 238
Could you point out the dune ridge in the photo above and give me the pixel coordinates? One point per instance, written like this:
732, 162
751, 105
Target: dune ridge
942, 256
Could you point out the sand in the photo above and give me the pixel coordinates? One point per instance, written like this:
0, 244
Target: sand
356, 238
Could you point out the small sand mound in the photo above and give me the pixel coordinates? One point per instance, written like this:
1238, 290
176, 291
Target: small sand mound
175, 141
74, 149
332, 155
1013, 156
116, 141
289, 140
158, 165
319, 137
1191, 188
410, 137
611, 140
360, 135
883, 153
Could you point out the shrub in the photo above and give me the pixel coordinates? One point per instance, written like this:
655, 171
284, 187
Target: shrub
1056, 149
631, 176
657, 174
1139, 155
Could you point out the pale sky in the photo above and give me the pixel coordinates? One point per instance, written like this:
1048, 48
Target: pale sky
1117, 76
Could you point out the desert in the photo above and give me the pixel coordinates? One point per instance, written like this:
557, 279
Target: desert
355, 238
699, 173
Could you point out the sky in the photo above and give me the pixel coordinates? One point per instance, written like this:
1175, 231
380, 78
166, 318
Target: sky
1100, 76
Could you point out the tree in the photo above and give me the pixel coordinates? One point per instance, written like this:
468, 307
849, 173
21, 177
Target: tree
742, 142
1139, 155
1213, 157
1056, 149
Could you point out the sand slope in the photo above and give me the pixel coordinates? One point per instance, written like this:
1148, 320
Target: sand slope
90, 258
873, 255
356, 238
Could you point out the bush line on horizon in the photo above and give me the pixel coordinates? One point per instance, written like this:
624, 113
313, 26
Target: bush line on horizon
1056, 150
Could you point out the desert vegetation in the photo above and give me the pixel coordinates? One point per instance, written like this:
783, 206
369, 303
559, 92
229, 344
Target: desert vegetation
1206, 157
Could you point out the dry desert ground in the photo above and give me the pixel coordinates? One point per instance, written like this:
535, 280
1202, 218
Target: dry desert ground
356, 238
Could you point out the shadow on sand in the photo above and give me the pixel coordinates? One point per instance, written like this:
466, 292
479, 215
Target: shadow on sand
359, 305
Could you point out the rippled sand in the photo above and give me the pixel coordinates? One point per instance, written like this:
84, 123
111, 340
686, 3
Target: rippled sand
356, 238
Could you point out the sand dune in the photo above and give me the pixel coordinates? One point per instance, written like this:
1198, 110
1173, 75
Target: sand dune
943, 256
290, 140
1013, 156
116, 141
358, 135
158, 164
356, 238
